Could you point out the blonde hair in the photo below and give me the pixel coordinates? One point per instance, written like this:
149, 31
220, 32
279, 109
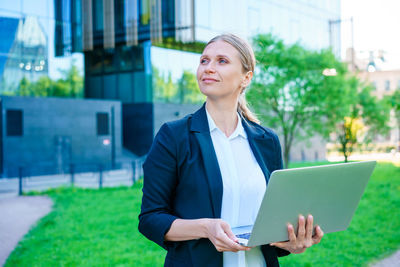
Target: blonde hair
248, 61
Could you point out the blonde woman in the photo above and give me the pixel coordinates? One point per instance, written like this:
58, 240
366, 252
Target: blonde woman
207, 173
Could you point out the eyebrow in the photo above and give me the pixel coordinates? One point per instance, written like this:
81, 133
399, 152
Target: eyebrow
216, 56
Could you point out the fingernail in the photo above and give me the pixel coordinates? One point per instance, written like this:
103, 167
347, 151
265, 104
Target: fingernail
310, 217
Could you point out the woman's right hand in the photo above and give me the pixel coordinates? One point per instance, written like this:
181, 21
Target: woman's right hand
220, 234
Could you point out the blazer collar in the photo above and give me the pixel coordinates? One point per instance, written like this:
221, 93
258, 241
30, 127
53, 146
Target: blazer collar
199, 121
200, 124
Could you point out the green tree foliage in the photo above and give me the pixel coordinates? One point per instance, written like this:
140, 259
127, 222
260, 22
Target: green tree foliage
189, 89
394, 103
165, 90
184, 91
69, 86
24, 87
290, 93
170, 89
158, 84
366, 118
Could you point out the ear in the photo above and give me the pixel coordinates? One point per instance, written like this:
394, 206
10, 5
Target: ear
247, 79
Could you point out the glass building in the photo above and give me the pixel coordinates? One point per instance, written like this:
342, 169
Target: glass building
27, 49
144, 53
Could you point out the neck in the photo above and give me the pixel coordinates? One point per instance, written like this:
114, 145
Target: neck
224, 115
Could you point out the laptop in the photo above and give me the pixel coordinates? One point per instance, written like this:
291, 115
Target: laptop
330, 193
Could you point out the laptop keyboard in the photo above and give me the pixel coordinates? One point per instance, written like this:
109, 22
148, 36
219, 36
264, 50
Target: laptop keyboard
244, 236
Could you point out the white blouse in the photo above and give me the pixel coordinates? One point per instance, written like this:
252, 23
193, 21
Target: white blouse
243, 187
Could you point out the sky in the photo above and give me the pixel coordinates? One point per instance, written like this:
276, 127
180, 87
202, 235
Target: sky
376, 27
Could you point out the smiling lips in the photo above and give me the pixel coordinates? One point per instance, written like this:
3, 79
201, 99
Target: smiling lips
209, 80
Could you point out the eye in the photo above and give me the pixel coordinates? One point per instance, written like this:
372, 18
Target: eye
223, 61
203, 61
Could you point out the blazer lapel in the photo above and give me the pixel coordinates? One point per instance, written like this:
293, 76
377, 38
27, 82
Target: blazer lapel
199, 125
257, 140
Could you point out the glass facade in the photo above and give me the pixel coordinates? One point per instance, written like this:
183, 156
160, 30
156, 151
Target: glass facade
121, 40
290, 20
30, 46
174, 76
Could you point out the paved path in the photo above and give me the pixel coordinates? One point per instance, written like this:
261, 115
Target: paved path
17, 216
392, 261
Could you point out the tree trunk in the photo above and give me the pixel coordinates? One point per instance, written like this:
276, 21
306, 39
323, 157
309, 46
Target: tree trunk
398, 145
286, 153
286, 158
344, 149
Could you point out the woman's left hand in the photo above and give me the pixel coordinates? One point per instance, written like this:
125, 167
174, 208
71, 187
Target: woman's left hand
304, 239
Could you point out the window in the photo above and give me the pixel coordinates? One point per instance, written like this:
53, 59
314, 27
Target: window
119, 15
98, 15
145, 12
94, 61
374, 85
14, 122
109, 60
387, 85
125, 58
102, 123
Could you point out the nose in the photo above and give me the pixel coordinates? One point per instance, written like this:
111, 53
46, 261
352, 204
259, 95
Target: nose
209, 68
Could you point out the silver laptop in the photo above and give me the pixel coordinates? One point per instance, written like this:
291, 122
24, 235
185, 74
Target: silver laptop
330, 193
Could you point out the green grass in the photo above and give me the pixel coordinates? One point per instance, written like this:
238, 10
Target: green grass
89, 228
99, 228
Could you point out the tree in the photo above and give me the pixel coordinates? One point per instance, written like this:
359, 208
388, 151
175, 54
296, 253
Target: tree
188, 88
366, 118
348, 133
394, 103
171, 90
69, 86
74, 81
290, 92
165, 90
24, 87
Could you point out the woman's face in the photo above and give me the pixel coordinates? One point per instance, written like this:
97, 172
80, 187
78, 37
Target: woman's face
220, 73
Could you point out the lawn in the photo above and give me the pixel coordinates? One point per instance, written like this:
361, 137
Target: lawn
99, 228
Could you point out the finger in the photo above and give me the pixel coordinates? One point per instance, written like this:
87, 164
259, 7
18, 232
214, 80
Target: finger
228, 232
309, 228
283, 245
291, 235
301, 229
318, 235
229, 245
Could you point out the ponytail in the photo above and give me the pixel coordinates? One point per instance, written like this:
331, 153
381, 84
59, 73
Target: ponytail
244, 110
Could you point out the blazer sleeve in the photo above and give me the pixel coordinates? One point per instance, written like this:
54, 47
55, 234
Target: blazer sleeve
159, 182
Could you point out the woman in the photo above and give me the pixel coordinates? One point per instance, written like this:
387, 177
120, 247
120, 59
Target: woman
208, 172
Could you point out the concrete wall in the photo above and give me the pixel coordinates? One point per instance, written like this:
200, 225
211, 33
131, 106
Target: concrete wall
164, 112
313, 149
59, 131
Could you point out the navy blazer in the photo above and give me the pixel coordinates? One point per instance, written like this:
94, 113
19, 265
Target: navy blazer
182, 179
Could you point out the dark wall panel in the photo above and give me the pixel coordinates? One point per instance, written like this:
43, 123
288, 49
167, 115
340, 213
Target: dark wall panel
138, 127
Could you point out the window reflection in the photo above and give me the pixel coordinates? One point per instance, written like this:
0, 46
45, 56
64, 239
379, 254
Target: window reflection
109, 59
174, 77
125, 58
94, 61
